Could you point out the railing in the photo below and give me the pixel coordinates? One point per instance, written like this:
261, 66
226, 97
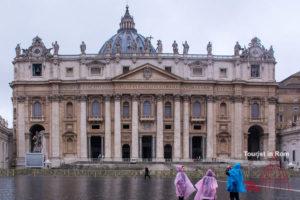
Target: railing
95, 119
197, 119
147, 118
37, 118
146, 55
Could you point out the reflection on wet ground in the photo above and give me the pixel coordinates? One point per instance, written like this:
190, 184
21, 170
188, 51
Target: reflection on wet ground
116, 188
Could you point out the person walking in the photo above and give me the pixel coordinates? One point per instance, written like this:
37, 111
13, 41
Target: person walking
207, 187
183, 185
147, 173
235, 181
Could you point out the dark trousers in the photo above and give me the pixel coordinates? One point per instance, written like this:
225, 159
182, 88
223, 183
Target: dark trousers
180, 198
147, 175
234, 196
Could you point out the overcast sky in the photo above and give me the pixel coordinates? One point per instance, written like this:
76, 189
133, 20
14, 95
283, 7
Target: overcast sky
197, 21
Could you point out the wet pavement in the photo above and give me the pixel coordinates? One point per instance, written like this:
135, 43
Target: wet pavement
118, 188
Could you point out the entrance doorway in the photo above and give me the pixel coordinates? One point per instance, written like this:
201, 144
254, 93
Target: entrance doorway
147, 148
126, 152
197, 147
96, 150
255, 141
168, 152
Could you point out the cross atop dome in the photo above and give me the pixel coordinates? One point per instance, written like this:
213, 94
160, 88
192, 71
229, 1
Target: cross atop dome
127, 22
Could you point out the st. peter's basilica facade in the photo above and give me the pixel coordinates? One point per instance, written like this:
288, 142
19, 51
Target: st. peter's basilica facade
131, 101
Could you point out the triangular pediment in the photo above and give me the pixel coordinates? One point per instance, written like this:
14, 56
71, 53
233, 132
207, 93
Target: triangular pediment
147, 72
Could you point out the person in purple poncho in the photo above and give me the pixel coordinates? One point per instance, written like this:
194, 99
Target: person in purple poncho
207, 187
183, 185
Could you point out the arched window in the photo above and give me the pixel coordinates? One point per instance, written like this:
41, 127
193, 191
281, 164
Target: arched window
196, 109
255, 110
37, 109
126, 109
69, 110
96, 108
147, 108
168, 110
223, 109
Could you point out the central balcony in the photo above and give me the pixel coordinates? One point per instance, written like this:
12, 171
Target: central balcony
37, 119
95, 119
197, 119
147, 118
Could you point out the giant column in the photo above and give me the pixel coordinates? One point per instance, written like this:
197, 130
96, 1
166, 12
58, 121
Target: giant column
238, 136
83, 136
177, 129
20, 131
271, 124
186, 127
210, 128
117, 129
159, 130
135, 128
55, 133
107, 133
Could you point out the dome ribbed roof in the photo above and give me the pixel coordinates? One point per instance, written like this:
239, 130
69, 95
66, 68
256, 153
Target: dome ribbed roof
127, 40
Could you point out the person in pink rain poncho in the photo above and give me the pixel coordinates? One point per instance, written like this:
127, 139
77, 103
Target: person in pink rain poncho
207, 187
183, 185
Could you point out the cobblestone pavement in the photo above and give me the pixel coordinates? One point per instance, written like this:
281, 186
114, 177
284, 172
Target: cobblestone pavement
116, 188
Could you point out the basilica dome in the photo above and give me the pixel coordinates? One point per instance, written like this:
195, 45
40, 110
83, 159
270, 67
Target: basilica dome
127, 40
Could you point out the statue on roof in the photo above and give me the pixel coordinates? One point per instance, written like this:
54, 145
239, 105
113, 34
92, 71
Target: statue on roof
175, 47
237, 48
82, 47
185, 47
147, 46
159, 47
209, 48
271, 52
55, 47
18, 50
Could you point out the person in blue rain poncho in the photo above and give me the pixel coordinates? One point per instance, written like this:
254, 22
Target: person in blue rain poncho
235, 181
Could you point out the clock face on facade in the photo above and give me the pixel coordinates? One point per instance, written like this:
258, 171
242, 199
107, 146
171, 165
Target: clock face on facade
37, 51
255, 52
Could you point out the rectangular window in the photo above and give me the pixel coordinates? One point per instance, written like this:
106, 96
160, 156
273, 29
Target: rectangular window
96, 126
223, 72
255, 71
126, 126
168, 126
197, 127
295, 117
95, 71
168, 69
197, 71
36, 69
69, 71
294, 155
125, 69
280, 118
